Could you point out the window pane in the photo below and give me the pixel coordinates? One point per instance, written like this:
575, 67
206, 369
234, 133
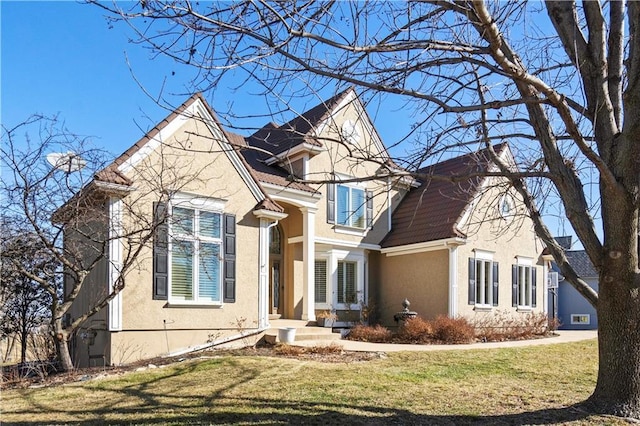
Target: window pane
350, 282
357, 208
321, 281
479, 282
487, 283
343, 205
209, 272
209, 225
274, 240
182, 221
182, 269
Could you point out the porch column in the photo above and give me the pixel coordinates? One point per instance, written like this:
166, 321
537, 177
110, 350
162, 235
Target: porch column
308, 260
263, 283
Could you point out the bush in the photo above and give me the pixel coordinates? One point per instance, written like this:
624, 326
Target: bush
452, 330
367, 333
505, 326
415, 330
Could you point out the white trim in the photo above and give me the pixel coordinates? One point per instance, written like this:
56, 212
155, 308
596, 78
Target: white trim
196, 201
336, 243
423, 247
192, 112
295, 152
268, 214
115, 262
157, 140
453, 281
113, 188
350, 230
483, 254
308, 262
263, 272
524, 261
292, 196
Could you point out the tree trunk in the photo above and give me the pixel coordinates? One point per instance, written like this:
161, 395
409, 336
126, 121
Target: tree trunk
618, 388
61, 339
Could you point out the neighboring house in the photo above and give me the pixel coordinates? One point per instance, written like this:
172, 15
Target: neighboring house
574, 311
244, 240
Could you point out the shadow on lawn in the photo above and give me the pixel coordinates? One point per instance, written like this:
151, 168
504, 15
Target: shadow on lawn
227, 411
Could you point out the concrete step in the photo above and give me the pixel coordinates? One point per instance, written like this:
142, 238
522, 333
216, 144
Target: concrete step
304, 331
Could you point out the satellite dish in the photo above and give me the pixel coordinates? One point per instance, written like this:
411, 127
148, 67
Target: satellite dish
66, 161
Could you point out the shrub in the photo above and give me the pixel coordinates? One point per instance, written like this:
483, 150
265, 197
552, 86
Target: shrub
367, 333
415, 330
452, 330
332, 348
288, 350
505, 326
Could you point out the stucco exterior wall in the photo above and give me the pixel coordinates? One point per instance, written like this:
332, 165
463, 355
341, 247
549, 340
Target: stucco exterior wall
506, 239
344, 160
422, 278
196, 165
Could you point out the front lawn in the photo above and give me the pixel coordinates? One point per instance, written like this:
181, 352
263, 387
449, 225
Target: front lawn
531, 385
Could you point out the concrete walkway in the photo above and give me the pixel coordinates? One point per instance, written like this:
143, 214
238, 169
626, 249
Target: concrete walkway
563, 336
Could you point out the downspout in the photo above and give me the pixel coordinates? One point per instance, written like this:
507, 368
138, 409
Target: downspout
388, 204
453, 281
241, 335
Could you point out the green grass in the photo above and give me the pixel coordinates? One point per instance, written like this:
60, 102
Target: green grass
531, 385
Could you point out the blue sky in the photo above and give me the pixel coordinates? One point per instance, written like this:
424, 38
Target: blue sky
65, 58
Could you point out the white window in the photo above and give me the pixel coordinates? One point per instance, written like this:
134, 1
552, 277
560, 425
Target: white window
484, 281
351, 206
195, 255
347, 282
581, 319
321, 282
524, 283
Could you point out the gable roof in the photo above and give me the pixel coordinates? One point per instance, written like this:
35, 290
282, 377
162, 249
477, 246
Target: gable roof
112, 174
433, 210
278, 139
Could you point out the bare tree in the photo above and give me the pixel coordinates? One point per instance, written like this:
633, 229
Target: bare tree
559, 81
56, 200
24, 302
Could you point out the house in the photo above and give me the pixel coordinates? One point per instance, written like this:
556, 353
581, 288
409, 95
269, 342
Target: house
572, 310
281, 224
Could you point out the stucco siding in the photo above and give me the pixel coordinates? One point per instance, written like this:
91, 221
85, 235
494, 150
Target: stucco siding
505, 240
422, 278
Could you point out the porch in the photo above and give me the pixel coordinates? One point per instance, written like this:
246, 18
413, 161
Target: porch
304, 331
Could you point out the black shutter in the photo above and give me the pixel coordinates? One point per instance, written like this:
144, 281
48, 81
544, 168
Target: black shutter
496, 283
514, 285
369, 209
331, 203
160, 252
472, 281
533, 287
229, 258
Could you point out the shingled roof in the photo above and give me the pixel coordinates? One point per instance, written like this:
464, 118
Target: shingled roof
581, 263
432, 211
278, 139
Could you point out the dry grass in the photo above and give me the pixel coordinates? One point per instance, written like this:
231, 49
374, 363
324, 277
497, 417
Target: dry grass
531, 385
